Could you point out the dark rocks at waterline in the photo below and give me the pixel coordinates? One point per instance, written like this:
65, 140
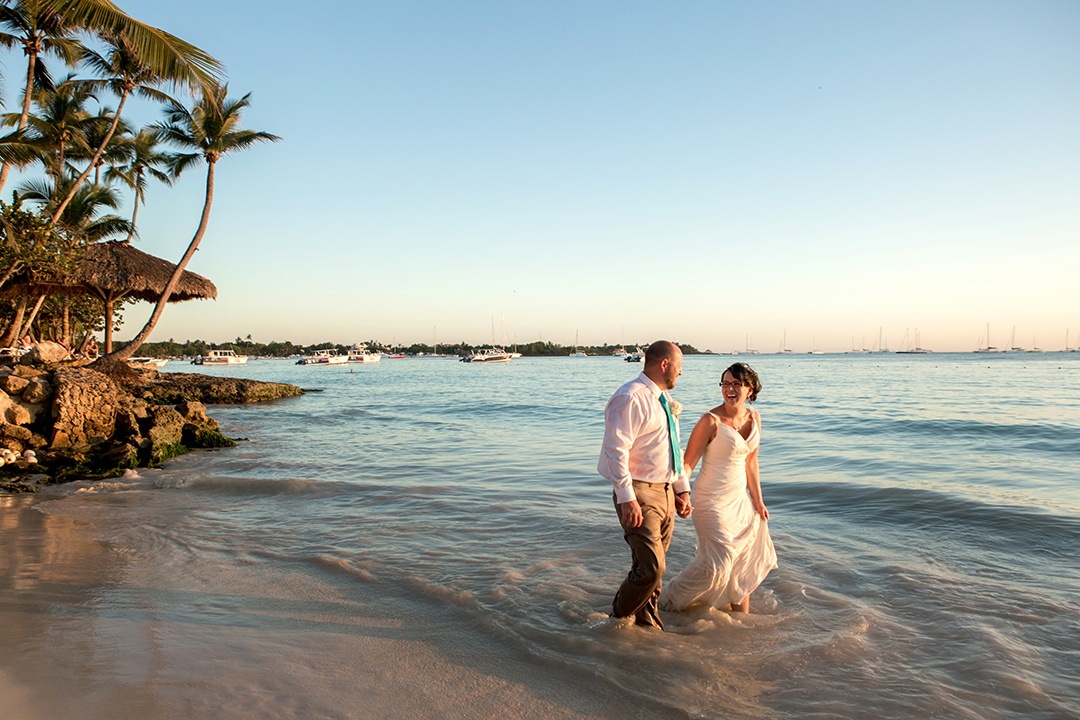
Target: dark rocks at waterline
181, 387
61, 422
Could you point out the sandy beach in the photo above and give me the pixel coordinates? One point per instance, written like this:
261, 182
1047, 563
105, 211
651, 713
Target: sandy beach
93, 632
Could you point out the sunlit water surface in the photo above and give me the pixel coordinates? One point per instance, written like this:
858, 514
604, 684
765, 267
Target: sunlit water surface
925, 510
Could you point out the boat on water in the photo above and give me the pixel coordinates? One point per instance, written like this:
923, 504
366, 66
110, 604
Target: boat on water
987, 348
139, 361
360, 354
784, 349
221, 357
577, 353
638, 356
1013, 347
916, 349
488, 355
323, 357
619, 352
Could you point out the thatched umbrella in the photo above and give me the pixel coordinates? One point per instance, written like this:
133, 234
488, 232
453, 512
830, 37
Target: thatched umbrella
115, 270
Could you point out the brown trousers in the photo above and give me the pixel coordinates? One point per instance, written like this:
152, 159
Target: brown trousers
640, 591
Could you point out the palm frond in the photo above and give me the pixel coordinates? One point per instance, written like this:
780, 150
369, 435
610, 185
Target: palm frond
179, 162
38, 190
178, 61
154, 94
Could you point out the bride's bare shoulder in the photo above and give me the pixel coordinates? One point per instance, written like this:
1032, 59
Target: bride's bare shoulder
710, 418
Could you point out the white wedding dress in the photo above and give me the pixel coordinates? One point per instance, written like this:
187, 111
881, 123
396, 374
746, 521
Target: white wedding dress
734, 550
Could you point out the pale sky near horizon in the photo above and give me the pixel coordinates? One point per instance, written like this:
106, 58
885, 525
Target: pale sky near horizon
715, 173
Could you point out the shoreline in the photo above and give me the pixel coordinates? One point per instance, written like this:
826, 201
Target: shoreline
136, 641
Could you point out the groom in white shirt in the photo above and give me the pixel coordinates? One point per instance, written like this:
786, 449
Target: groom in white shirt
641, 458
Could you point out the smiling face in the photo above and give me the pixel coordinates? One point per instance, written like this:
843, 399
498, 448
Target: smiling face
735, 392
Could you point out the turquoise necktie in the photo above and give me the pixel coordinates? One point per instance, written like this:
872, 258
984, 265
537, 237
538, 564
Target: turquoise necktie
673, 436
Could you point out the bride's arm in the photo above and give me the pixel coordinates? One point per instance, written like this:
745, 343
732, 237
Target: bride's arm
702, 435
753, 478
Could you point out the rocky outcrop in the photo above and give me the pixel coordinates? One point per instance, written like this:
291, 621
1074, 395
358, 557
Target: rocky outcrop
84, 409
76, 421
45, 352
180, 387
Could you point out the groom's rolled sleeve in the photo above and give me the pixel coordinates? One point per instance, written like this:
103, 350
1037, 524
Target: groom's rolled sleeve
614, 463
681, 485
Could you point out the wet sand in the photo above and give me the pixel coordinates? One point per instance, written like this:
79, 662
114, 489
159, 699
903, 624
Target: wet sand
92, 631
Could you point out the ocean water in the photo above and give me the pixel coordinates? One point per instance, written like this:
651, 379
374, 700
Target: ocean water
925, 511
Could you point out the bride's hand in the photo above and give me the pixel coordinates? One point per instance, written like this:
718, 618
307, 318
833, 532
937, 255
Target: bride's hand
760, 509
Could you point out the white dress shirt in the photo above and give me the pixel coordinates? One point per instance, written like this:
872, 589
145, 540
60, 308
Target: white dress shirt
636, 444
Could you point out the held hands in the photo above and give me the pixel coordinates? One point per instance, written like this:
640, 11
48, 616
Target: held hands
683, 508
630, 512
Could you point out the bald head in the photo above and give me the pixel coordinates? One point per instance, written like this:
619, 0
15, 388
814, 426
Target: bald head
661, 350
663, 363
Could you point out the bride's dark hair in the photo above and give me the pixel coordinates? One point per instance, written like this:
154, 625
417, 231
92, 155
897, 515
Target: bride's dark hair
747, 376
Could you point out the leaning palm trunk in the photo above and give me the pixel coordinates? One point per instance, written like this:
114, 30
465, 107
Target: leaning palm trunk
27, 97
131, 348
134, 217
58, 213
25, 330
16, 322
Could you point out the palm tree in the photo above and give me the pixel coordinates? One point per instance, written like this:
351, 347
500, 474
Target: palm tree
49, 27
144, 162
40, 31
125, 72
180, 62
61, 125
117, 148
82, 219
83, 222
210, 130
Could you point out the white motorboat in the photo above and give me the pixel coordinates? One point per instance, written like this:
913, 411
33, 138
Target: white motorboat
488, 355
323, 357
221, 357
360, 354
638, 356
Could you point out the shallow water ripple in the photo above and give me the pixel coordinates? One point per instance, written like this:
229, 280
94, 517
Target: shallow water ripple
925, 521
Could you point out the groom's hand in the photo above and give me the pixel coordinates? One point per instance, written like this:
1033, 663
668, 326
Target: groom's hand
683, 508
630, 512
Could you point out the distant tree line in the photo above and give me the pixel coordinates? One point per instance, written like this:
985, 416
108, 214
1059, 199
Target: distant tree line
246, 346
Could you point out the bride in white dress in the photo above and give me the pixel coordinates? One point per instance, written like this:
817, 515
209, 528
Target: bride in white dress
734, 551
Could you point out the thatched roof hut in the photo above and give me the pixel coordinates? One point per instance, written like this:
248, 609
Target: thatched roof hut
118, 270
115, 270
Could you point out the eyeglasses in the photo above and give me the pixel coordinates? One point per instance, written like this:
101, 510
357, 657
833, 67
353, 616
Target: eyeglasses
732, 385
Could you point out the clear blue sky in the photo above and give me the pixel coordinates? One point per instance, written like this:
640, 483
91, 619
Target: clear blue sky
701, 171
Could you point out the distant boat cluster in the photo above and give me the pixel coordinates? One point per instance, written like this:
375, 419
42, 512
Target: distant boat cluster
360, 353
